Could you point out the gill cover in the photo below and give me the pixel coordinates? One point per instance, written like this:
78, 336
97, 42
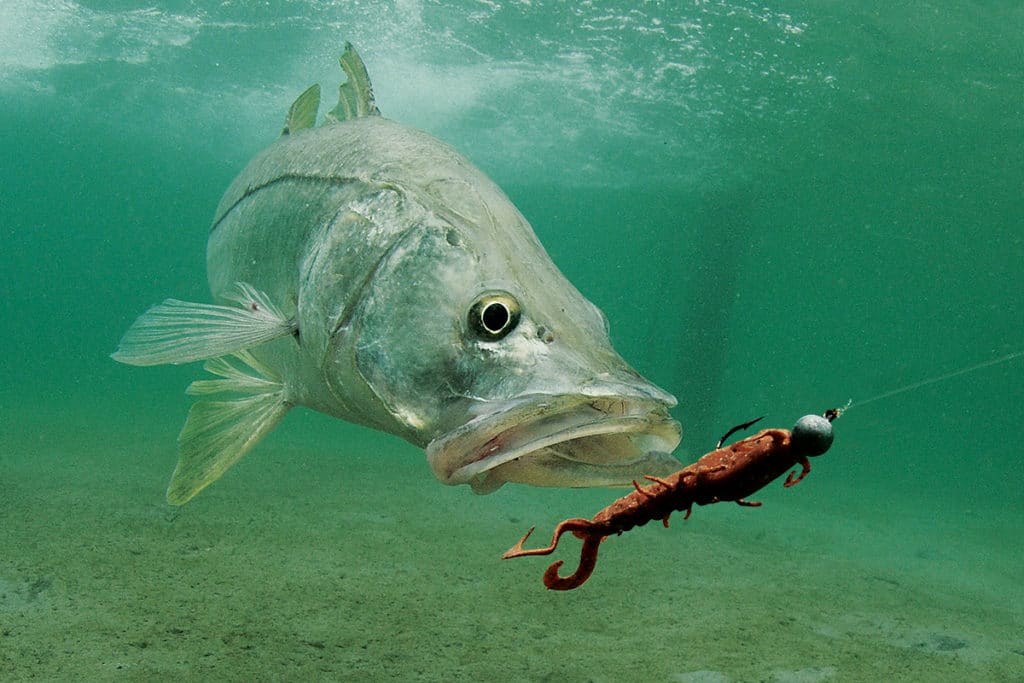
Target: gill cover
408, 334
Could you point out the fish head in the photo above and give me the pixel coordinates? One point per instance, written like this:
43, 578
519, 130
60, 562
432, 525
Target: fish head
489, 357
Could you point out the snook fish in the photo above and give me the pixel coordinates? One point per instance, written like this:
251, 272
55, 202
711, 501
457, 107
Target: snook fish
369, 271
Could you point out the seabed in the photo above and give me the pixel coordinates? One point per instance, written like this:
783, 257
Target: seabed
331, 553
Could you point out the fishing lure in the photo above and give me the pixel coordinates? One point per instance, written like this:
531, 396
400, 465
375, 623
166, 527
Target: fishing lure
729, 473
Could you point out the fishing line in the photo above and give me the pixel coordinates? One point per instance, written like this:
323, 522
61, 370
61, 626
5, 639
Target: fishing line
934, 380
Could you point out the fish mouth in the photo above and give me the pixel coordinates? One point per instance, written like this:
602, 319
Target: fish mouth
559, 441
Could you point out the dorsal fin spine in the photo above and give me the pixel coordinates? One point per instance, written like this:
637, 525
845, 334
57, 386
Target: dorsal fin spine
355, 95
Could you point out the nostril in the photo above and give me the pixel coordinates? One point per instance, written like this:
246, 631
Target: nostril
545, 335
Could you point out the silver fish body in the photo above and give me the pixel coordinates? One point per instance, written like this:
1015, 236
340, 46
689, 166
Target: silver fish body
411, 296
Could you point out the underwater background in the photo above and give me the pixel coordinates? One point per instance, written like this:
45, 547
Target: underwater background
780, 206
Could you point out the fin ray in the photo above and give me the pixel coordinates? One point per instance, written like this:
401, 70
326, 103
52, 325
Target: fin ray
235, 379
182, 331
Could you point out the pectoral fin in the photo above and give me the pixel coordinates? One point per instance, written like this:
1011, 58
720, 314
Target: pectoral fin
181, 331
218, 433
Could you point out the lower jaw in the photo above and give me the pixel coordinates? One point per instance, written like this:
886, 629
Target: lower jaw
594, 432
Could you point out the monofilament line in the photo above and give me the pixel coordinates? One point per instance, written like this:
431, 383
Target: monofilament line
940, 378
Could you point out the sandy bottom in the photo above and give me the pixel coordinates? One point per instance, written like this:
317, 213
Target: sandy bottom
331, 553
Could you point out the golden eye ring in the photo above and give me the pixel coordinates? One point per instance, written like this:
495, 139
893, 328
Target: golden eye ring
494, 315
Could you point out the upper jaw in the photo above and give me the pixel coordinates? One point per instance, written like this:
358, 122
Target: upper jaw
589, 437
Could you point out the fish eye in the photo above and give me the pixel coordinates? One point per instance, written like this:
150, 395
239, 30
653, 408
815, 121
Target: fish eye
494, 315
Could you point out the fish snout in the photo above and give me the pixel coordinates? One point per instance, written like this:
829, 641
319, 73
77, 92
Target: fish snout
626, 384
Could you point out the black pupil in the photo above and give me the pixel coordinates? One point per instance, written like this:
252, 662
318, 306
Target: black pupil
495, 317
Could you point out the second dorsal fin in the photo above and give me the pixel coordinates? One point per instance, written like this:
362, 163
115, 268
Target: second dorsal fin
355, 95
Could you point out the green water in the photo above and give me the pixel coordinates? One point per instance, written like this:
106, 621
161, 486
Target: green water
778, 206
